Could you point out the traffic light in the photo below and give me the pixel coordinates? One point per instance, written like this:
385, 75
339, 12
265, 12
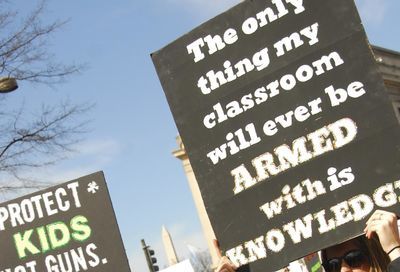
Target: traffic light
151, 260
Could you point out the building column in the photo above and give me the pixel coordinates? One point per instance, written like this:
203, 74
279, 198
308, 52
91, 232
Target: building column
180, 153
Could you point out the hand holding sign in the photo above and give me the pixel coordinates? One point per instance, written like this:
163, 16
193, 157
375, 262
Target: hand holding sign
384, 225
224, 264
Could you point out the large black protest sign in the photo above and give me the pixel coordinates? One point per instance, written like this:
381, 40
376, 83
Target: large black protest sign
287, 126
70, 227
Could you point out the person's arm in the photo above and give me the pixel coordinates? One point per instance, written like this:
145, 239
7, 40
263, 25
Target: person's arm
384, 224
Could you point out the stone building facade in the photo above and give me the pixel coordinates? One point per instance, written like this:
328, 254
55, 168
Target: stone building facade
389, 66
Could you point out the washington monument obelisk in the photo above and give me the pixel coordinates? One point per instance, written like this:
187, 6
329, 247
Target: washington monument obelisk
169, 247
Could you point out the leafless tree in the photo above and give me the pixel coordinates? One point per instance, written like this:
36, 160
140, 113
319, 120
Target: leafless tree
29, 141
24, 51
201, 261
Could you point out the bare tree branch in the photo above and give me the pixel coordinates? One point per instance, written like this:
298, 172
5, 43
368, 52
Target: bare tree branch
53, 133
201, 261
24, 51
27, 141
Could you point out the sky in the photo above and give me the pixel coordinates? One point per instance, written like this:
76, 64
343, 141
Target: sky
132, 132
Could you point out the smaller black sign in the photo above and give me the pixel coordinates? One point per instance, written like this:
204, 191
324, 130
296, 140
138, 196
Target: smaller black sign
70, 227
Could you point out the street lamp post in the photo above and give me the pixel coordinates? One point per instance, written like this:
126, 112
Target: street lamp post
8, 84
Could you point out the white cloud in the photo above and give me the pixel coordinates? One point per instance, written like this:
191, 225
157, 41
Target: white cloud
103, 151
47, 176
372, 11
57, 174
90, 156
205, 6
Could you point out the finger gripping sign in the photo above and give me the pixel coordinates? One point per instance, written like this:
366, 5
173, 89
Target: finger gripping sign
287, 125
70, 227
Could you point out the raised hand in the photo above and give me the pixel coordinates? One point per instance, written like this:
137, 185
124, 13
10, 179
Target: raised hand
224, 265
384, 225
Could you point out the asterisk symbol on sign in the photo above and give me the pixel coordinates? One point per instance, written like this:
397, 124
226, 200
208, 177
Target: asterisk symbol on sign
93, 187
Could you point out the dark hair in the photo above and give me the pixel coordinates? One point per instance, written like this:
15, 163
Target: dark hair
379, 260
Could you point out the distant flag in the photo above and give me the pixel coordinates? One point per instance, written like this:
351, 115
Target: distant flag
201, 260
193, 251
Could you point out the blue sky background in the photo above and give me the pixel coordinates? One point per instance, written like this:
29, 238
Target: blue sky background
133, 133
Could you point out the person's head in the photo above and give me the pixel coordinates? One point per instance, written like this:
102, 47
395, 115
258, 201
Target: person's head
358, 255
